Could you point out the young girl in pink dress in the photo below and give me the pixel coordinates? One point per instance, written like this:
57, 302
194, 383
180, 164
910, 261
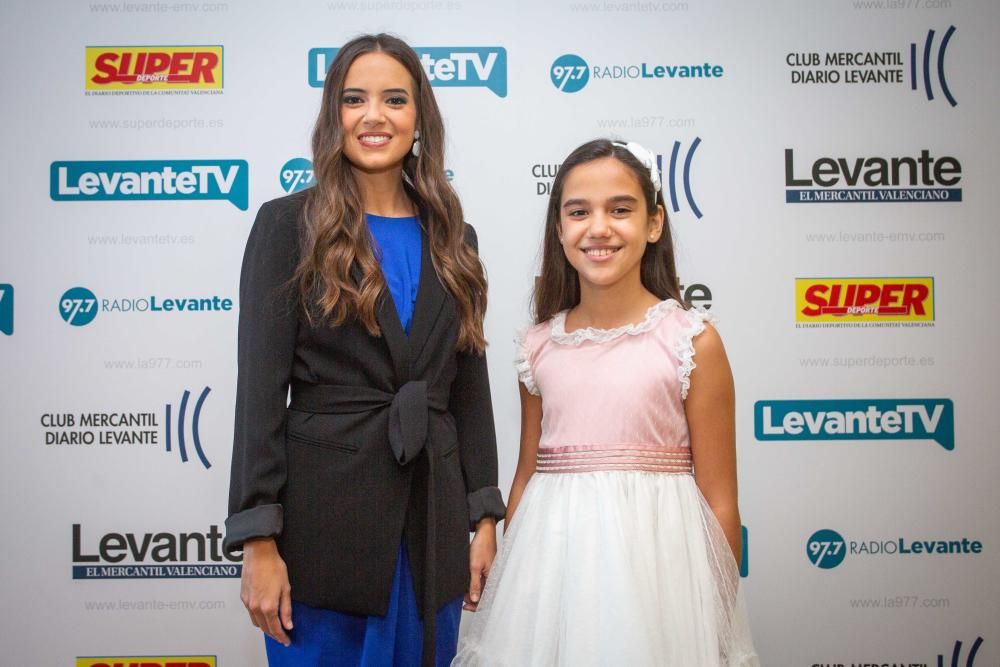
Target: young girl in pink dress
622, 524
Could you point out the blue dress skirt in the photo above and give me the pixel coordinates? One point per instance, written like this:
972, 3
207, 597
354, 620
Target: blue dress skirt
322, 637
327, 638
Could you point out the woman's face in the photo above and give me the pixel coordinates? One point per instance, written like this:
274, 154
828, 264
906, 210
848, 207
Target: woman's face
378, 113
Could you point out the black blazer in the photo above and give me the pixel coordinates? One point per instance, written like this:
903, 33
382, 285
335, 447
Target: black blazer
381, 434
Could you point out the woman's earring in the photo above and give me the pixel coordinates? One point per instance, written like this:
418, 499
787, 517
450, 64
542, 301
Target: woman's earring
416, 144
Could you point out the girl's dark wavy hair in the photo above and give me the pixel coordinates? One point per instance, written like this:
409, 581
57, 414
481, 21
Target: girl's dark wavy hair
335, 236
558, 288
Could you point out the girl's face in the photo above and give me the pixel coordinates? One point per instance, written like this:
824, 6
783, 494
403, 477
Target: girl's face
603, 224
378, 113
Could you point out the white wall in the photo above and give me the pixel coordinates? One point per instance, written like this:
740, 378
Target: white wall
748, 247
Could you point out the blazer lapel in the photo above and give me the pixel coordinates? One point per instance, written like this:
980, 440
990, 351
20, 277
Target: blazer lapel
430, 298
392, 330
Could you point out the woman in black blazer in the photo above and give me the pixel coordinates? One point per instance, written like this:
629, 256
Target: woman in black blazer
387, 442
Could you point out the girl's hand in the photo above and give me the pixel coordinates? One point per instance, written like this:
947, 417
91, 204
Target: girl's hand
482, 551
264, 589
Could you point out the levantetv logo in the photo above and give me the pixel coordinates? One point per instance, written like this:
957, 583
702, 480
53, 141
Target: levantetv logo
120, 180
446, 66
857, 419
160, 555
744, 552
834, 180
7, 309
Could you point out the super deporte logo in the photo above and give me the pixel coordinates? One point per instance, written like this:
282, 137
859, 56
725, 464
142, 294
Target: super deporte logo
445, 66
155, 555
570, 73
921, 178
78, 306
902, 419
864, 302
122, 180
148, 661
826, 548
921, 67
159, 69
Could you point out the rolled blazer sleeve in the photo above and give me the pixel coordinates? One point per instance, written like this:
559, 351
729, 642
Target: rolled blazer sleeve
472, 408
268, 325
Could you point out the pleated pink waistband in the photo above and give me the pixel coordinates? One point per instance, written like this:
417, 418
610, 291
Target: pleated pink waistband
594, 458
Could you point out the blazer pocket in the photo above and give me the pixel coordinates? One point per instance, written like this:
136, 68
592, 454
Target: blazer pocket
325, 444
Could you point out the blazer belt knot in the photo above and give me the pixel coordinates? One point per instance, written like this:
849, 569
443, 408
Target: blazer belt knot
409, 409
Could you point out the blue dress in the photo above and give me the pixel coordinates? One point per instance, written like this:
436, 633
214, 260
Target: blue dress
323, 637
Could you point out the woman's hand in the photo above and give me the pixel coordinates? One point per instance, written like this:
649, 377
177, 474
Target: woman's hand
264, 589
482, 551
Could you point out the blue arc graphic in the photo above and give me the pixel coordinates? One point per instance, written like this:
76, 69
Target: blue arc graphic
180, 426
686, 175
195, 420
927, 64
194, 427
167, 422
957, 654
940, 66
673, 183
927, 53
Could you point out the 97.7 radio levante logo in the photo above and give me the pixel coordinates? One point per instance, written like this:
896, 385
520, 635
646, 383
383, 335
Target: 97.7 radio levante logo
296, 175
826, 548
78, 306
570, 73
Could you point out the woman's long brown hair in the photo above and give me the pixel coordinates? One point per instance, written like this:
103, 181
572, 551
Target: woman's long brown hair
558, 288
335, 234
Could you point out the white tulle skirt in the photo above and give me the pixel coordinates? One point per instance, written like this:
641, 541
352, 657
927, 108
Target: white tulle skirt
611, 568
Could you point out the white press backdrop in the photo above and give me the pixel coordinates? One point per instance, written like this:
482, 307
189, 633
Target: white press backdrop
135, 504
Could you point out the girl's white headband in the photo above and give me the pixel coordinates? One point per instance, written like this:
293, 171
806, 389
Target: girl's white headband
645, 158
